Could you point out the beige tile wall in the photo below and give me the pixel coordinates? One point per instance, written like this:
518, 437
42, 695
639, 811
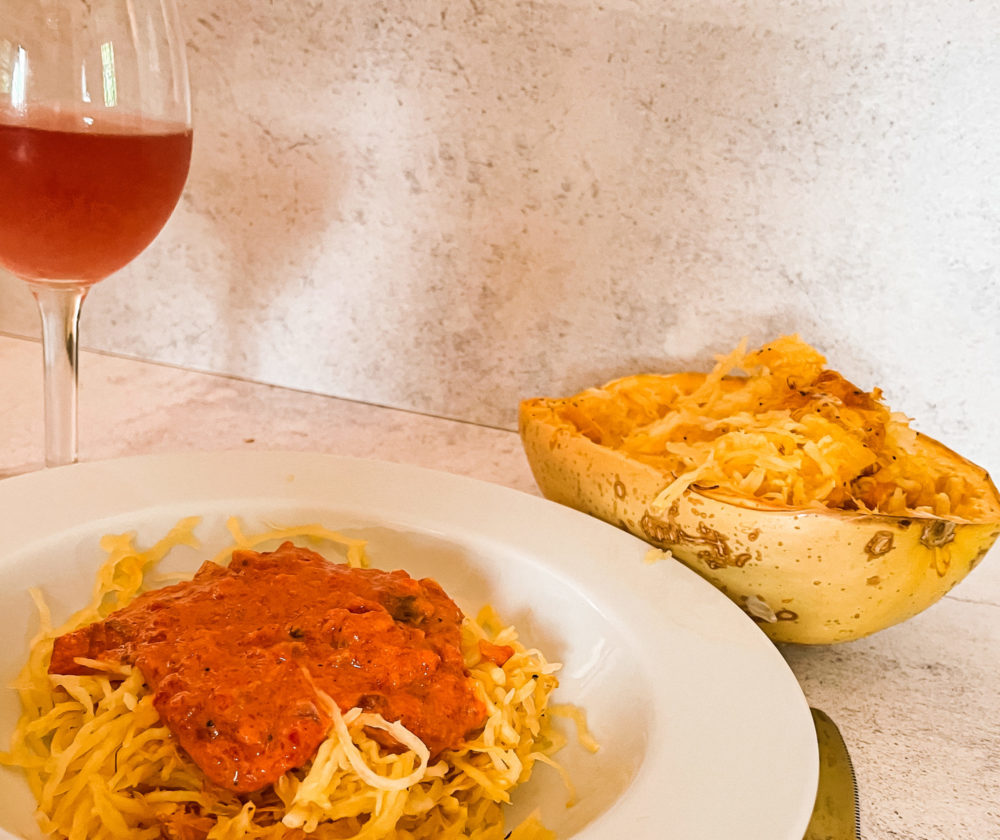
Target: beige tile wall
447, 206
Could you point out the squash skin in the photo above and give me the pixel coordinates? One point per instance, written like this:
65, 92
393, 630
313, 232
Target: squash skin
807, 577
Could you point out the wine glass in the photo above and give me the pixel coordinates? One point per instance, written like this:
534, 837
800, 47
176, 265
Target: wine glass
95, 146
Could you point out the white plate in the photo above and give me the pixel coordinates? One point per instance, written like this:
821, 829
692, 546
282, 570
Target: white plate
705, 733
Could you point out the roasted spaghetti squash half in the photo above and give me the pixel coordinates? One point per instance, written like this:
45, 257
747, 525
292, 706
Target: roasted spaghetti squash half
801, 496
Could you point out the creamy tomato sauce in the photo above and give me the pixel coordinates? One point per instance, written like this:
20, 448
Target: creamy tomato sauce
234, 657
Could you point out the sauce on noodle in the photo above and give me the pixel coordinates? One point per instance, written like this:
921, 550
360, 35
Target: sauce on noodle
235, 657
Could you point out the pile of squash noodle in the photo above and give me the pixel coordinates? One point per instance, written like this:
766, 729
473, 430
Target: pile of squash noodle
102, 765
775, 427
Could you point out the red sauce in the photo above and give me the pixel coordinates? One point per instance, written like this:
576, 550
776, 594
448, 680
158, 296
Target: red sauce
233, 656
497, 654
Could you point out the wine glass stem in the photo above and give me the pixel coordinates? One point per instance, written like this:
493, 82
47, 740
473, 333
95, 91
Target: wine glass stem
60, 310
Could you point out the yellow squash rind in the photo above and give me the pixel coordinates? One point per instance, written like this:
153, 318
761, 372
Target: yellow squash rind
809, 577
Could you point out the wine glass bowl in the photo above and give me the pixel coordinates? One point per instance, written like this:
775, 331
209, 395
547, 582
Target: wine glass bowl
95, 146
63, 222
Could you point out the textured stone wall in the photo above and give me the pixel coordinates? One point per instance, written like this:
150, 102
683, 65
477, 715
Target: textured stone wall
448, 206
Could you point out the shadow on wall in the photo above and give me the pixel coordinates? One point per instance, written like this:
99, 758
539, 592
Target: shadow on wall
269, 191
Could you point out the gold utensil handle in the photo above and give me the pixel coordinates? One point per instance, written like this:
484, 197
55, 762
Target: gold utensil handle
836, 814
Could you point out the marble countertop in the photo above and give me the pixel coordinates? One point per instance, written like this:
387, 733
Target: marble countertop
918, 704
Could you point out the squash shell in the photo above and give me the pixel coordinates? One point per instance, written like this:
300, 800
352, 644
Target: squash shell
806, 576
